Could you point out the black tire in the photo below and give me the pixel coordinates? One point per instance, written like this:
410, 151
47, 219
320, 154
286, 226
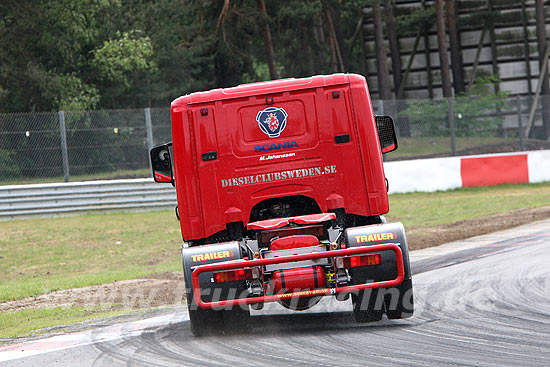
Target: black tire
210, 322
365, 306
236, 320
205, 322
399, 301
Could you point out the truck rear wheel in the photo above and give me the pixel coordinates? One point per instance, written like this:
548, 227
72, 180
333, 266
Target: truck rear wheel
236, 319
205, 322
365, 306
398, 301
209, 322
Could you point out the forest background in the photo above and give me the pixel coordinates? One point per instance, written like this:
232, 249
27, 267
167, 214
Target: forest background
472, 90
113, 54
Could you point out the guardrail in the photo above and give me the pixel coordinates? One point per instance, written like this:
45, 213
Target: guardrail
68, 198
404, 176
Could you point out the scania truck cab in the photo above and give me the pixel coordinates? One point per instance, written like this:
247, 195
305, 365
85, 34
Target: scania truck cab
281, 195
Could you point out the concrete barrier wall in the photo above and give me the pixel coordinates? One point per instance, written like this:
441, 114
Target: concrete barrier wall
471, 171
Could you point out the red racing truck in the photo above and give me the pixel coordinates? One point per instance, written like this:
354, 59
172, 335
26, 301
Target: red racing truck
281, 191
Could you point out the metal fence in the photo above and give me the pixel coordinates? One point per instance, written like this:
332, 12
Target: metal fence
467, 125
48, 146
57, 146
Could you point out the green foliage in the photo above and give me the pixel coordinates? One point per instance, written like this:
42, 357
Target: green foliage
9, 166
111, 54
301, 20
116, 59
73, 94
475, 111
46, 50
476, 18
418, 19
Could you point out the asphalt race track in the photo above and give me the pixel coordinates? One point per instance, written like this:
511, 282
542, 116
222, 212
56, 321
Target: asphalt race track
485, 305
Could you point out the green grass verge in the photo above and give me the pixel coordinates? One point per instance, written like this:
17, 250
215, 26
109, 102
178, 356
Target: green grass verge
27, 322
429, 209
42, 255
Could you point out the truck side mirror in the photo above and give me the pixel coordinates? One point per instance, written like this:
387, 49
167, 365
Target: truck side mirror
161, 163
386, 133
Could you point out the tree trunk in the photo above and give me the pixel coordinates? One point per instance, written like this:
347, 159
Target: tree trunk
399, 81
384, 86
403, 121
456, 52
335, 18
318, 27
358, 30
401, 90
476, 58
427, 56
526, 50
541, 45
394, 45
440, 25
332, 48
268, 44
334, 37
364, 70
494, 54
306, 44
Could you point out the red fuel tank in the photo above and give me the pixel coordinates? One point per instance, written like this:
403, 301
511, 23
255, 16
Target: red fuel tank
291, 280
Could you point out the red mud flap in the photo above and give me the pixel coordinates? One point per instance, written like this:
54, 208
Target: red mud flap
243, 264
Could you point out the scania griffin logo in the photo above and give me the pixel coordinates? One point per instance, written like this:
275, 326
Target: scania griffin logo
272, 121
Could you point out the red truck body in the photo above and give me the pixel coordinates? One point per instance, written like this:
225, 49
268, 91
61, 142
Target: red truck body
303, 160
281, 191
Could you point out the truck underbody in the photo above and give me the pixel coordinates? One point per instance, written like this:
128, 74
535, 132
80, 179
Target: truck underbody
295, 261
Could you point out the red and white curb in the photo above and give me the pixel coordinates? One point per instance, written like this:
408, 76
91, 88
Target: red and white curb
470, 171
105, 334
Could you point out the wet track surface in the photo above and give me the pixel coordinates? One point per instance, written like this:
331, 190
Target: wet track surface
487, 306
